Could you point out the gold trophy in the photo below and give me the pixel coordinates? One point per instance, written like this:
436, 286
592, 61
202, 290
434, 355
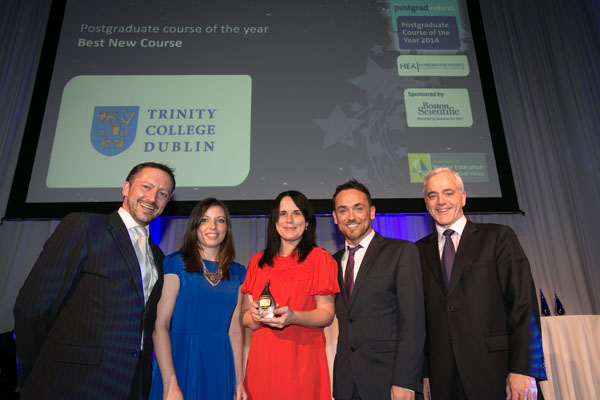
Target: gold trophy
266, 303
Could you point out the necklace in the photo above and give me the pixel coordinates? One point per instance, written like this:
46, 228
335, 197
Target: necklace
212, 277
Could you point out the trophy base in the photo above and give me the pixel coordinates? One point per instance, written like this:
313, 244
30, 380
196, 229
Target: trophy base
267, 313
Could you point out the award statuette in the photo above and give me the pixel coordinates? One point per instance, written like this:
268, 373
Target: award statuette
266, 302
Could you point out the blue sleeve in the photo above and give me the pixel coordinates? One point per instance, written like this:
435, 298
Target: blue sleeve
173, 264
238, 272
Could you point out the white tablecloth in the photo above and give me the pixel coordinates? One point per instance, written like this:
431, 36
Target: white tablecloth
572, 353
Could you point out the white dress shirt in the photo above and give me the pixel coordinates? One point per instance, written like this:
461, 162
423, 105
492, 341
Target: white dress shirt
458, 227
130, 224
359, 255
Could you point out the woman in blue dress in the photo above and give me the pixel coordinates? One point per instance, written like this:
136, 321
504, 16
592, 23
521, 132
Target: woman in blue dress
198, 337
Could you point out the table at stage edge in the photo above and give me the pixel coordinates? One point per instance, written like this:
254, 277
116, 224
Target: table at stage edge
572, 354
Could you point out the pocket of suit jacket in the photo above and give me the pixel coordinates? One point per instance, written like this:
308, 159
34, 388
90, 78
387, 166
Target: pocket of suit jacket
73, 354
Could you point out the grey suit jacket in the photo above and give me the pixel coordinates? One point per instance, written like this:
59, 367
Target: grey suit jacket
382, 328
80, 314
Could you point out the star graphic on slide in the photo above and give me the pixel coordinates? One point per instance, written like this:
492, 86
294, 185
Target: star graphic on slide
375, 149
338, 128
356, 107
377, 49
360, 175
377, 80
401, 151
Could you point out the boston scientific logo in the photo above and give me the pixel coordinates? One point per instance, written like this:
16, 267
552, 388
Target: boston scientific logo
114, 128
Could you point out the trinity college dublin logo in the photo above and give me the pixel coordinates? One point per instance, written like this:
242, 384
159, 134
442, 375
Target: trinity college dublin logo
114, 128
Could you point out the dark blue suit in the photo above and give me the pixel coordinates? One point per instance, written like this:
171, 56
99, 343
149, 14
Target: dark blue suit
80, 314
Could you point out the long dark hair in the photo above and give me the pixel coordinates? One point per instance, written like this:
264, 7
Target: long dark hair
192, 250
308, 241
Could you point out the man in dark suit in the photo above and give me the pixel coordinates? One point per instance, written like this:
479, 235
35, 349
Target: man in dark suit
85, 314
483, 323
380, 308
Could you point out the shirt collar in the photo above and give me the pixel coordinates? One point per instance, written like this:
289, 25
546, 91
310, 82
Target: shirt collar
458, 226
128, 219
365, 242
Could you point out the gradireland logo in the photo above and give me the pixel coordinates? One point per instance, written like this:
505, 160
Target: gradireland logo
114, 128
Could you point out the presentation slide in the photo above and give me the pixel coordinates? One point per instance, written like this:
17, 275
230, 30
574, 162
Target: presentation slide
247, 98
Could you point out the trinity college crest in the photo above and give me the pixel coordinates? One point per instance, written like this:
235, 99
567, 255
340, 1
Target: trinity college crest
114, 128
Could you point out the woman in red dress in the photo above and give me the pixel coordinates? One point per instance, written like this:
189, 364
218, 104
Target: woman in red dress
287, 352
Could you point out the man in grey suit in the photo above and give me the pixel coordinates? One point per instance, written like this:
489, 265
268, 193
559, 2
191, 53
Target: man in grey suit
483, 323
85, 314
380, 308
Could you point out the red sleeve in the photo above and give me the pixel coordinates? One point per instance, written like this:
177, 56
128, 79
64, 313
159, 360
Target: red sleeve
250, 280
325, 276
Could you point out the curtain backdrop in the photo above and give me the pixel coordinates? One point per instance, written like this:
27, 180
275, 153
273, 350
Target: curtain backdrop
545, 58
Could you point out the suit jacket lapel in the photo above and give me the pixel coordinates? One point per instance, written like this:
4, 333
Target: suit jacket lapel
157, 289
338, 258
433, 260
123, 242
466, 246
157, 255
367, 264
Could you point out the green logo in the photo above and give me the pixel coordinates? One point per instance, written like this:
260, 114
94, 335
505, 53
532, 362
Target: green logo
420, 165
